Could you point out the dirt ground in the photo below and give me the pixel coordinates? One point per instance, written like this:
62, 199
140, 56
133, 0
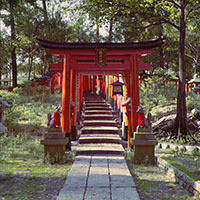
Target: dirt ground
25, 188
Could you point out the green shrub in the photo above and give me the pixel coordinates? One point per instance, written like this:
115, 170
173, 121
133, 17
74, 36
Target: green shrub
158, 93
192, 100
35, 148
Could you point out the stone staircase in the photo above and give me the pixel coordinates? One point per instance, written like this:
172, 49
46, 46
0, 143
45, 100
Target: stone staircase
99, 132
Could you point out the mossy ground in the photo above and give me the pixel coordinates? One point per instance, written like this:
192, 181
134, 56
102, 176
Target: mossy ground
153, 184
189, 163
23, 173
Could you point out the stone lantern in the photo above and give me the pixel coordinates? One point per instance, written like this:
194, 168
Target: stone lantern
117, 88
196, 82
5, 81
3, 105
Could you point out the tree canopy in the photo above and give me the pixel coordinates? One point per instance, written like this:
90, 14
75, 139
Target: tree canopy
123, 21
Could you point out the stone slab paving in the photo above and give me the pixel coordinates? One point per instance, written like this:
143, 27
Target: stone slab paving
100, 121
106, 136
97, 128
101, 148
97, 115
95, 177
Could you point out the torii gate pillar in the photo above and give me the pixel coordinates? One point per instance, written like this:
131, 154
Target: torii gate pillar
134, 92
66, 96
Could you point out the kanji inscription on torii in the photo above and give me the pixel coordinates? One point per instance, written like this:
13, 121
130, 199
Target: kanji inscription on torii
100, 57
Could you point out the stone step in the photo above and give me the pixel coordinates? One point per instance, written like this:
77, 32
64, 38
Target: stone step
99, 132
88, 112
100, 124
99, 121
98, 117
98, 149
95, 103
99, 135
99, 129
99, 138
97, 108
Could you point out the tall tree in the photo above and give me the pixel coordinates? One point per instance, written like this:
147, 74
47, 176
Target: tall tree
177, 14
13, 50
148, 13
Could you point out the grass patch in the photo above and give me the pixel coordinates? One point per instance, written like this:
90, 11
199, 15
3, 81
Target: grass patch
152, 183
23, 173
181, 168
186, 162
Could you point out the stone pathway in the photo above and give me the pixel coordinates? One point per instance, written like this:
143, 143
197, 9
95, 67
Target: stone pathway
99, 171
99, 178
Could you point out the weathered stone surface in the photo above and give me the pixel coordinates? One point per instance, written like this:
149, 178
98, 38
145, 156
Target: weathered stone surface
125, 193
99, 177
181, 178
197, 186
71, 194
101, 193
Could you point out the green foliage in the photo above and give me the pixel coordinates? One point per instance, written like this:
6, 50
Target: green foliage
192, 101
38, 94
67, 158
129, 155
158, 93
30, 109
11, 115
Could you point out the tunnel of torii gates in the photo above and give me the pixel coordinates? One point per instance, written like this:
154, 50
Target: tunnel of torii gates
84, 65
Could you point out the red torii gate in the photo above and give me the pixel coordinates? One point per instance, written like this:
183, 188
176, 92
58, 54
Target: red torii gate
98, 58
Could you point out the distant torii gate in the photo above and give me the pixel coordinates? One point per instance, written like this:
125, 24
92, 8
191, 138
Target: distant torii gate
98, 58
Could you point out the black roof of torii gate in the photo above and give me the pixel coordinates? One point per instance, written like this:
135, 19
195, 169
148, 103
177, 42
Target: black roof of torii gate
134, 45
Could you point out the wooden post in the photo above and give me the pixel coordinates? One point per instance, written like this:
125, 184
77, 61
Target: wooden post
129, 121
66, 96
134, 92
110, 86
106, 85
73, 108
85, 83
125, 98
94, 83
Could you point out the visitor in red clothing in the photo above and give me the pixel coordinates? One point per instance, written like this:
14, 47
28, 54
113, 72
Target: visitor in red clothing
141, 117
56, 118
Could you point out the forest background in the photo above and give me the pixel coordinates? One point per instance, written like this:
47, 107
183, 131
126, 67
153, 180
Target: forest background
22, 21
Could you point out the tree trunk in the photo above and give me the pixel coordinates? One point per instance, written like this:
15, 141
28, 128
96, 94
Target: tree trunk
160, 32
181, 116
13, 51
110, 31
97, 29
30, 67
45, 10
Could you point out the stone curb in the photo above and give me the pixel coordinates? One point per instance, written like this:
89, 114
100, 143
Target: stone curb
188, 148
180, 177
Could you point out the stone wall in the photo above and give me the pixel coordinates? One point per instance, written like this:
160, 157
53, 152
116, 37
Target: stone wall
192, 186
188, 148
